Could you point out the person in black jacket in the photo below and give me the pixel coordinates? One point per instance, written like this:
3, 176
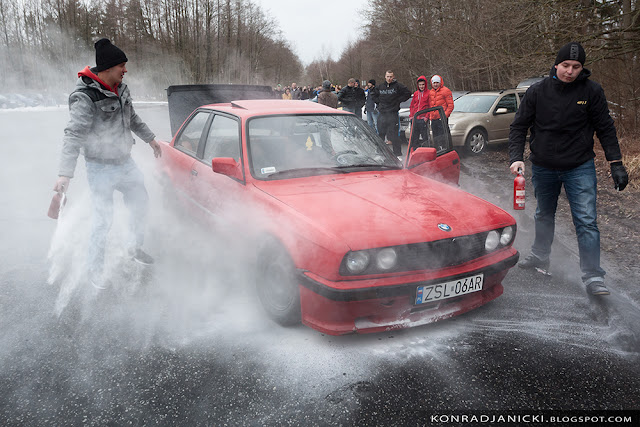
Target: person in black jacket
563, 111
388, 97
352, 98
370, 106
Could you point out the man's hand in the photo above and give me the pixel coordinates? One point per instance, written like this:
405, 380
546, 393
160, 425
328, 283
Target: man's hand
619, 175
515, 166
62, 184
157, 150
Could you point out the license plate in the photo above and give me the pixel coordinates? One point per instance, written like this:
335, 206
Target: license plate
454, 288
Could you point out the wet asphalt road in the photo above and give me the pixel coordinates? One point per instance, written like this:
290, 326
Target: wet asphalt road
186, 343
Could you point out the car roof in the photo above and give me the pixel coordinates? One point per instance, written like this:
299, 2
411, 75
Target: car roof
495, 92
531, 80
262, 107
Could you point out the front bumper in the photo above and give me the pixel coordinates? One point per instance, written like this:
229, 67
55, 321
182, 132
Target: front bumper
363, 306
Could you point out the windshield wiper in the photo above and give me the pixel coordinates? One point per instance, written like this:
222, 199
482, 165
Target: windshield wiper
370, 165
305, 171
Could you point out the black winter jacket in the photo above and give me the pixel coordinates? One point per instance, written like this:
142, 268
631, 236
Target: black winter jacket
390, 95
370, 102
563, 117
352, 96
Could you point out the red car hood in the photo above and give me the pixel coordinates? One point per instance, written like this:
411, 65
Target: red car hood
374, 209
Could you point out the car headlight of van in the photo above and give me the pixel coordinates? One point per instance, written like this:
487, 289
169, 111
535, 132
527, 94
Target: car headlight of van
386, 259
507, 235
357, 262
492, 240
499, 238
371, 261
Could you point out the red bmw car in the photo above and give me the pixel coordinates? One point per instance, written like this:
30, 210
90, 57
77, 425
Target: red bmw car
346, 237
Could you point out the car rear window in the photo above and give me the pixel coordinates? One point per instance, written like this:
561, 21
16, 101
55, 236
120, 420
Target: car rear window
474, 103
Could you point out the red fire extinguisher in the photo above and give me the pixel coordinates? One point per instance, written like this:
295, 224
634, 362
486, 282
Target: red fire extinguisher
518, 191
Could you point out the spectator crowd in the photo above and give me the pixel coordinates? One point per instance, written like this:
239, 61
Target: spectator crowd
381, 103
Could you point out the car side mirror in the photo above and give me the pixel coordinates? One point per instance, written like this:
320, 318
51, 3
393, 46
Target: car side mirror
422, 155
227, 166
501, 111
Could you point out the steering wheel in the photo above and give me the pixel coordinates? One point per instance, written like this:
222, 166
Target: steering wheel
343, 157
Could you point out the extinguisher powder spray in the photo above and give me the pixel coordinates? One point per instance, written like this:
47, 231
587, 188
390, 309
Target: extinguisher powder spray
518, 191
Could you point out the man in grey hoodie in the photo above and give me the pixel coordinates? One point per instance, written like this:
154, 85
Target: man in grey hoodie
101, 121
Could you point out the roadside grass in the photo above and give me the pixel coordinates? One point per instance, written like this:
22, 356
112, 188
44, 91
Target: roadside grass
630, 147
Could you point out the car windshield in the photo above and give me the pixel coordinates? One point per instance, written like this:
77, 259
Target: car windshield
302, 145
474, 103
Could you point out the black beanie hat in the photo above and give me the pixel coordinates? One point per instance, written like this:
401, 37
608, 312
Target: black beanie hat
571, 51
108, 55
372, 81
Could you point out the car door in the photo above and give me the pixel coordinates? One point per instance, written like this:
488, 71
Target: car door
188, 143
434, 133
498, 128
216, 192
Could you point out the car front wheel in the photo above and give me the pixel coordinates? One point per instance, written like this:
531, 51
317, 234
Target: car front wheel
276, 285
476, 141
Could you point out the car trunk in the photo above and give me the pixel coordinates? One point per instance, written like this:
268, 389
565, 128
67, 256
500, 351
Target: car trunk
184, 99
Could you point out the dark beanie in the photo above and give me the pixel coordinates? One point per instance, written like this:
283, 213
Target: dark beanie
108, 55
372, 81
571, 51
326, 85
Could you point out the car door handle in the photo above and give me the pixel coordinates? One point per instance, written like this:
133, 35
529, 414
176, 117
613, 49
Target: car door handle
194, 172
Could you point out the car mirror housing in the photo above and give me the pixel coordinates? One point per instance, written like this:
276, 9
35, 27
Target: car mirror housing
227, 166
422, 155
501, 111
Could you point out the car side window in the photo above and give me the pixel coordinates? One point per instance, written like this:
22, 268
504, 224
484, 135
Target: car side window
509, 102
190, 137
223, 139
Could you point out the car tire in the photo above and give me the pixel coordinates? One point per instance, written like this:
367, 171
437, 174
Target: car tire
276, 285
476, 141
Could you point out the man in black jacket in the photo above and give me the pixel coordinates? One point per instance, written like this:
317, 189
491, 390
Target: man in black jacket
370, 106
352, 98
563, 111
388, 97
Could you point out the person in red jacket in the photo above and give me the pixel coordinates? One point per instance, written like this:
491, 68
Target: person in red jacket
440, 96
420, 101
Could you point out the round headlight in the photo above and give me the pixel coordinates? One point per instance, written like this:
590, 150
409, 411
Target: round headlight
493, 238
506, 236
387, 259
357, 261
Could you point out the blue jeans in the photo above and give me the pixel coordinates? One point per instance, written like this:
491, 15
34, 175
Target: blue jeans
372, 119
580, 188
104, 179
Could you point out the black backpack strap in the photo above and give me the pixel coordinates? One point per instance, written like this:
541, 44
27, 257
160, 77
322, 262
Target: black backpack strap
94, 94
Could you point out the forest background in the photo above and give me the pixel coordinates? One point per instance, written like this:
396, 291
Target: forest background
473, 44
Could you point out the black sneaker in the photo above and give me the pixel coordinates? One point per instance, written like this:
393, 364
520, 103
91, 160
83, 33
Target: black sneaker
596, 287
141, 257
533, 261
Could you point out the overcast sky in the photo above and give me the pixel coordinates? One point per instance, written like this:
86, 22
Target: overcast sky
314, 28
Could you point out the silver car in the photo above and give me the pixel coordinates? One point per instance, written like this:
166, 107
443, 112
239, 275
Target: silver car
482, 117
